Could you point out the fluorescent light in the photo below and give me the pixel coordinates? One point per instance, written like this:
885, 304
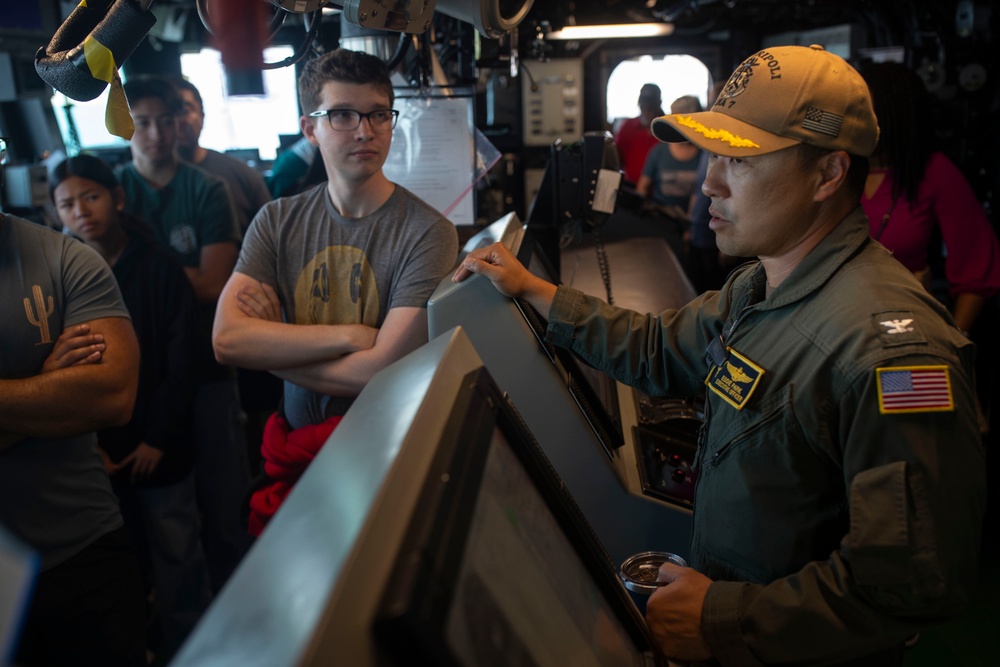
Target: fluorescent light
612, 31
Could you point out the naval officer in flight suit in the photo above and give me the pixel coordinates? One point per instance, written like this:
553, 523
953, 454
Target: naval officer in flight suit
841, 483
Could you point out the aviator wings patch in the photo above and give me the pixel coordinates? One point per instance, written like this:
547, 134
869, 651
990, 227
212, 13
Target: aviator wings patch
735, 380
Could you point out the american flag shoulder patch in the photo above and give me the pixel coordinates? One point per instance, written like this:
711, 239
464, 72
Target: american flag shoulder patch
903, 389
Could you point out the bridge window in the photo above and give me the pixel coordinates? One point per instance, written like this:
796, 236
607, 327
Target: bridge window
234, 121
231, 122
675, 75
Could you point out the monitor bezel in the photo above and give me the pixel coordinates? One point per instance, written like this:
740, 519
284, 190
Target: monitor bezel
413, 612
604, 420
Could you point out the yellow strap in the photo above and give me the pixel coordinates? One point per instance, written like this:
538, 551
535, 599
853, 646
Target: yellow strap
117, 117
101, 63
99, 59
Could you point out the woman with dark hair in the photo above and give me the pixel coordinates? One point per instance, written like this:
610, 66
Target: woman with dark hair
149, 459
915, 195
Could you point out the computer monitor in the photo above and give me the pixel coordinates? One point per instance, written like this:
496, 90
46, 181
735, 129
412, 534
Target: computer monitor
574, 411
250, 156
324, 572
498, 565
596, 393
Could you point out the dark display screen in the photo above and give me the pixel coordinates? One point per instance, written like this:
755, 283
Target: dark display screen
596, 393
545, 609
499, 567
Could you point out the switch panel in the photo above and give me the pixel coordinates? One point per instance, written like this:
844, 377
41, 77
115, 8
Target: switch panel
553, 101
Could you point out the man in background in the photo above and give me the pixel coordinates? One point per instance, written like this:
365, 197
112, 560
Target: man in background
259, 391
668, 177
633, 138
246, 184
191, 212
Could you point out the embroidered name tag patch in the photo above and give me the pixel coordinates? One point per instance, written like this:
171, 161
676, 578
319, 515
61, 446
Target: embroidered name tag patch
735, 380
903, 389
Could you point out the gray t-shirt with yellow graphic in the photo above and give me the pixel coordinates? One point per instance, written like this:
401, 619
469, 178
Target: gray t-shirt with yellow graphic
328, 269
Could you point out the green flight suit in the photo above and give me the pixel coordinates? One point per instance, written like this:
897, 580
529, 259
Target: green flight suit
841, 479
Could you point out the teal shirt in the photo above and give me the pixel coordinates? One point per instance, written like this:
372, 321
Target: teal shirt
192, 211
832, 528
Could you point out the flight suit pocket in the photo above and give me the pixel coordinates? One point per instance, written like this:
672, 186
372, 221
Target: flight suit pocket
750, 427
771, 508
878, 545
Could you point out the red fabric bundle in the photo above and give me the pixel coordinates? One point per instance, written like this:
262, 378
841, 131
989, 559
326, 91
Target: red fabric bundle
286, 455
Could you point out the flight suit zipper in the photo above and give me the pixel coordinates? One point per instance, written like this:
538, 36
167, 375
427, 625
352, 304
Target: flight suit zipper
720, 342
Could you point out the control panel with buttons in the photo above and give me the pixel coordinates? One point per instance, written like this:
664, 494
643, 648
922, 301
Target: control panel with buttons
666, 439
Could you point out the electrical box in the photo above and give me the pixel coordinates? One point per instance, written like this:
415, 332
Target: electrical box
552, 94
25, 186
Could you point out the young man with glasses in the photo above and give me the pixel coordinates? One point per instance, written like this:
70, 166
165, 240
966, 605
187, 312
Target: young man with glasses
332, 284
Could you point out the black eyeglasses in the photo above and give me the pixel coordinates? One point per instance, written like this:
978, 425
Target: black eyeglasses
3, 148
345, 120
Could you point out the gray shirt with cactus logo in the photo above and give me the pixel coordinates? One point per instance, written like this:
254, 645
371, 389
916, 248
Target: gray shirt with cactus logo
54, 492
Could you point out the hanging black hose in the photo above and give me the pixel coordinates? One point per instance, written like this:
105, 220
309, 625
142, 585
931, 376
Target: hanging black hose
312, 22
402, 46
272, 29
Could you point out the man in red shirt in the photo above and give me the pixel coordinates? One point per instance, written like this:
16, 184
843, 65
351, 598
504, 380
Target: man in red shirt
634, 140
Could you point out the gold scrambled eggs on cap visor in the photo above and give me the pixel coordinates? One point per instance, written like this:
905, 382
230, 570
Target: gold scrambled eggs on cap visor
718, 133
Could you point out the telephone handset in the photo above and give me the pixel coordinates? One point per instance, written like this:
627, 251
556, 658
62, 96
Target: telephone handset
605, 189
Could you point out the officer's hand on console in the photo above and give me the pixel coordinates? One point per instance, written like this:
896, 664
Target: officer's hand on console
508, 275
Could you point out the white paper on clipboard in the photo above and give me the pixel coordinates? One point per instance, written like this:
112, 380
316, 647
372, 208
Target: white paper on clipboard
438, 154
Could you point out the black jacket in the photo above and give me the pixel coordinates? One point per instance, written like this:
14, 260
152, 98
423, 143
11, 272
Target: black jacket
164, 313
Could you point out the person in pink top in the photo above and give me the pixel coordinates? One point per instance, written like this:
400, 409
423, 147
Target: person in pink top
915, 195
633, 139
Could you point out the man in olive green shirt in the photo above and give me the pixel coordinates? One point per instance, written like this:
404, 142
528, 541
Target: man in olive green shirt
841, 483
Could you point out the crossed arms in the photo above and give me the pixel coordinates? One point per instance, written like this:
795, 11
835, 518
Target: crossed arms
333, 359
88, 382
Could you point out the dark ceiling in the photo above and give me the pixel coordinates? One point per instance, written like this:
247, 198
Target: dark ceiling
769, 15
924, 27
892, 22
901, 22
